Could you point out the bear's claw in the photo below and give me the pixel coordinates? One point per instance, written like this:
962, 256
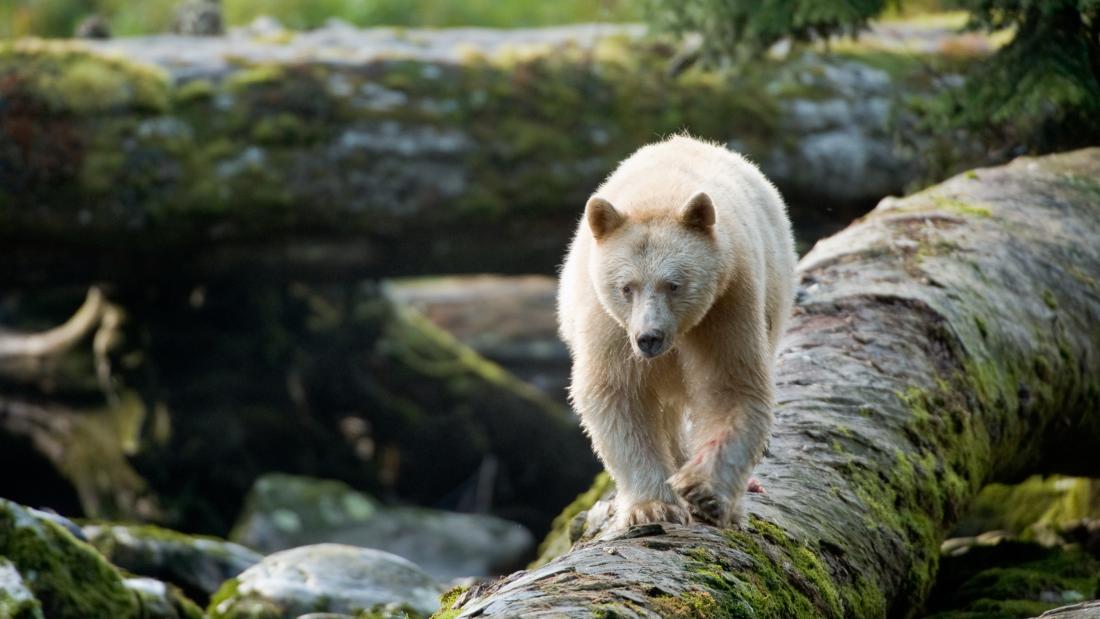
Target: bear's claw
653, 511
706, 506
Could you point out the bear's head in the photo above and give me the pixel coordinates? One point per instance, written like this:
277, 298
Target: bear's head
656, 275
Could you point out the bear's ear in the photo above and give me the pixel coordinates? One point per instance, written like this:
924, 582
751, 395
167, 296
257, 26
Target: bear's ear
698, 212
602, 218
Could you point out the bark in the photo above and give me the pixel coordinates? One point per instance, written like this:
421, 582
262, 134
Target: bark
1083, 610
944, 341
56, 340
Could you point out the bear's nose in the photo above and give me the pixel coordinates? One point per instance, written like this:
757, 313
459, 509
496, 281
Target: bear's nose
650, 342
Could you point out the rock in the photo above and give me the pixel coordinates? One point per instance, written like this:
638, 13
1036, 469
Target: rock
161, 601
197, 564
69, 579
1083, 610
330, 578
16, 600
60, 520
284, 511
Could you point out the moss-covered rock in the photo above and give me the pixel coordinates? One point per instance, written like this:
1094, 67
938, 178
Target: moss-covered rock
64, 577
16, 600
68, 577
197, 564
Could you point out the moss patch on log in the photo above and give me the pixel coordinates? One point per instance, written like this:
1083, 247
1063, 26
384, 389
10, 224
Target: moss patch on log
770, 574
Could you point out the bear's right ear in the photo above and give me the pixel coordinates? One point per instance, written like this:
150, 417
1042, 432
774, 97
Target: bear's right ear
602, 218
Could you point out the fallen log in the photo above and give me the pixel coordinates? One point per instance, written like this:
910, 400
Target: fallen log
944, 341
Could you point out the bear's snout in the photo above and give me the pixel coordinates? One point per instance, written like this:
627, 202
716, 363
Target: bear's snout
651, 343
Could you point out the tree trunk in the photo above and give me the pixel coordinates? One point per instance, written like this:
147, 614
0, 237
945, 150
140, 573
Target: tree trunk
381, 157
1083, 610
944, 341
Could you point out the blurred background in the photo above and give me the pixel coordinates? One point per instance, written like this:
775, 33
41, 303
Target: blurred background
283, 271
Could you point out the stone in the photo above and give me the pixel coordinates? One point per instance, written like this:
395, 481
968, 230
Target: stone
329, 578
197, 564
283, 511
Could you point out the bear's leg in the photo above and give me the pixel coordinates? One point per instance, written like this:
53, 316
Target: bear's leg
630, 435
729, 433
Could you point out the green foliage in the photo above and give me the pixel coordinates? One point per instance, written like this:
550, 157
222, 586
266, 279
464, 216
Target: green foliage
1040, 92
1046, 81
742, 29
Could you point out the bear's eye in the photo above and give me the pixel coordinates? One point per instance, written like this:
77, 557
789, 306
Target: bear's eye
673, 287
627, 290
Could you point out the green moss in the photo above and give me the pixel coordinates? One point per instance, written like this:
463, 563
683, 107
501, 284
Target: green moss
959, 207
447, 601
255, 76
230, 603
199, 90
282, 128
227, 591
69, 78
689, 605
982, 328
68, 577
559, 539
16, 600
1049, 299
786, 578
1012, 579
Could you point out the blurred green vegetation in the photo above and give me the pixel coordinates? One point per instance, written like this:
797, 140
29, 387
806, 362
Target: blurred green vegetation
58, 18
1038, 93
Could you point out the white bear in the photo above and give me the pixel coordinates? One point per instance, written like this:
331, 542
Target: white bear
672, 299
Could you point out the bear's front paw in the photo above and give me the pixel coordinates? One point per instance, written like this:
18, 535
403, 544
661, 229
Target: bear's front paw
707, 504
652, 511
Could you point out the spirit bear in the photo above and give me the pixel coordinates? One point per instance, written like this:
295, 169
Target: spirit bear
672, 300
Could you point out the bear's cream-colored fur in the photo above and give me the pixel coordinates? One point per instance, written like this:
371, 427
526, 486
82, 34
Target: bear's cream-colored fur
672, 300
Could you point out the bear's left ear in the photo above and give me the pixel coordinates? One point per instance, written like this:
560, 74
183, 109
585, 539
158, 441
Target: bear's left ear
698, 212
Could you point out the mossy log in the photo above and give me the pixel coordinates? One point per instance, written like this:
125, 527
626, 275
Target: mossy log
944, 341
342, 157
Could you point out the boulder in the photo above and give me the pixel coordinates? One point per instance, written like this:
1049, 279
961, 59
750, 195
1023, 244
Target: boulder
284, 511
48, 572
197, 564
326, 578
